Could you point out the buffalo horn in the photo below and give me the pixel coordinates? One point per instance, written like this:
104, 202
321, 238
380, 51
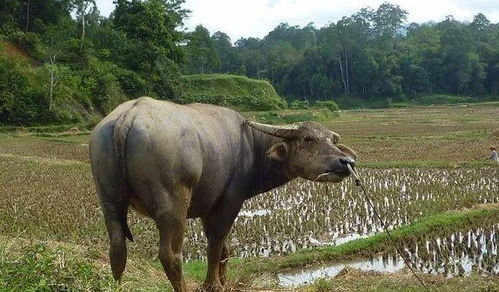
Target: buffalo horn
286, 131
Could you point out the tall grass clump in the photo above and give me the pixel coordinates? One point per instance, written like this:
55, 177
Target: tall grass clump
40, 267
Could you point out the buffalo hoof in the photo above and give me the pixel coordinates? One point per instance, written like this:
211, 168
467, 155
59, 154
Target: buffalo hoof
211, 287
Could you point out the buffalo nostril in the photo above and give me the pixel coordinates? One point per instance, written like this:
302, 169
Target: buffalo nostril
347, 160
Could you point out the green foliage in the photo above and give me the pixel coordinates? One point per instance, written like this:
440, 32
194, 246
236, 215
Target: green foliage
299, 104
232, 90
323, 285
106, 82
319, 104
41, 268
366, 56
442, 99
150, 27
19, 103
201, 53
328, 104
56, 69
226, 54
64, 63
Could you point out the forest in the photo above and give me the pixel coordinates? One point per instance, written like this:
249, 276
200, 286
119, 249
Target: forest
62, 62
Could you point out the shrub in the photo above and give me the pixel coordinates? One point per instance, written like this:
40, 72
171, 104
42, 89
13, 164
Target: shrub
104, 85
328, 104
19, 104
131, 83
300, 104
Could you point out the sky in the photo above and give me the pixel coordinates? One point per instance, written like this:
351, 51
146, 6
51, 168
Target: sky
256, 18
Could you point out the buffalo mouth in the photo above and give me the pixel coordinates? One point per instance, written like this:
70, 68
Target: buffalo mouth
332, 176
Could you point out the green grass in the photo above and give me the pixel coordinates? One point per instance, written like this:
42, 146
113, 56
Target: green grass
35, 265
40, 267
54, 129
32, 265
232, 90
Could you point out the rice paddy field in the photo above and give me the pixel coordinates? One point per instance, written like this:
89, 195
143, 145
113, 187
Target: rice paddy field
424, 168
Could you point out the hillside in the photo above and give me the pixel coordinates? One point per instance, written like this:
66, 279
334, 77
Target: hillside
34, 94
232, 90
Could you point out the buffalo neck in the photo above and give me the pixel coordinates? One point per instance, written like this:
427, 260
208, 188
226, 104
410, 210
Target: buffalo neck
266, 173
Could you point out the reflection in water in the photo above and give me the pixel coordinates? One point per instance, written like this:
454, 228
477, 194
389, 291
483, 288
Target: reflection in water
459, 254
303, 214
252, 213
307, 276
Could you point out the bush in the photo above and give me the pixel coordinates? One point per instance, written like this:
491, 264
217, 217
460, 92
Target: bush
328, 104
324, 104
27, 42
19, 104
131, 83
300, 104
104, 86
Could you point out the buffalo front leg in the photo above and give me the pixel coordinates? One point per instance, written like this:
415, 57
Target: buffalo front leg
212, 282
223, 264
216, 227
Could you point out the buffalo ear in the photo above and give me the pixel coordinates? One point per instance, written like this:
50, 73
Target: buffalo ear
278, 151
346, 150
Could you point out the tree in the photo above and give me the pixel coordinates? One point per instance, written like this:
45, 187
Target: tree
479, 27
201, 52
250, 54
8, 15
457, 56
34, 15
151, 29
82, 9
57, 46
226, 52
53, 72
387, 19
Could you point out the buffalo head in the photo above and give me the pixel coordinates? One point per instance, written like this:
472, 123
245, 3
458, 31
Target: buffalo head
309, 150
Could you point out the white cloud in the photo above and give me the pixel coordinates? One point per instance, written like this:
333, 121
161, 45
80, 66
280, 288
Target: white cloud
255, 18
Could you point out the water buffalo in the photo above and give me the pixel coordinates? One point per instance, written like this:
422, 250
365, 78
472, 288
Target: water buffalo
171, 162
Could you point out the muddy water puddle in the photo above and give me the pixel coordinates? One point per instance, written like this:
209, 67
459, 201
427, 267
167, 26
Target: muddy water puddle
303, 214
459, 254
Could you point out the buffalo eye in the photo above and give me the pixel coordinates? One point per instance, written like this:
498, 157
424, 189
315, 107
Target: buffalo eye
308, 139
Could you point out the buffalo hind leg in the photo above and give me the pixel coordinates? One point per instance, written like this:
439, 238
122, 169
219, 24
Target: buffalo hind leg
171, 225
117, 246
